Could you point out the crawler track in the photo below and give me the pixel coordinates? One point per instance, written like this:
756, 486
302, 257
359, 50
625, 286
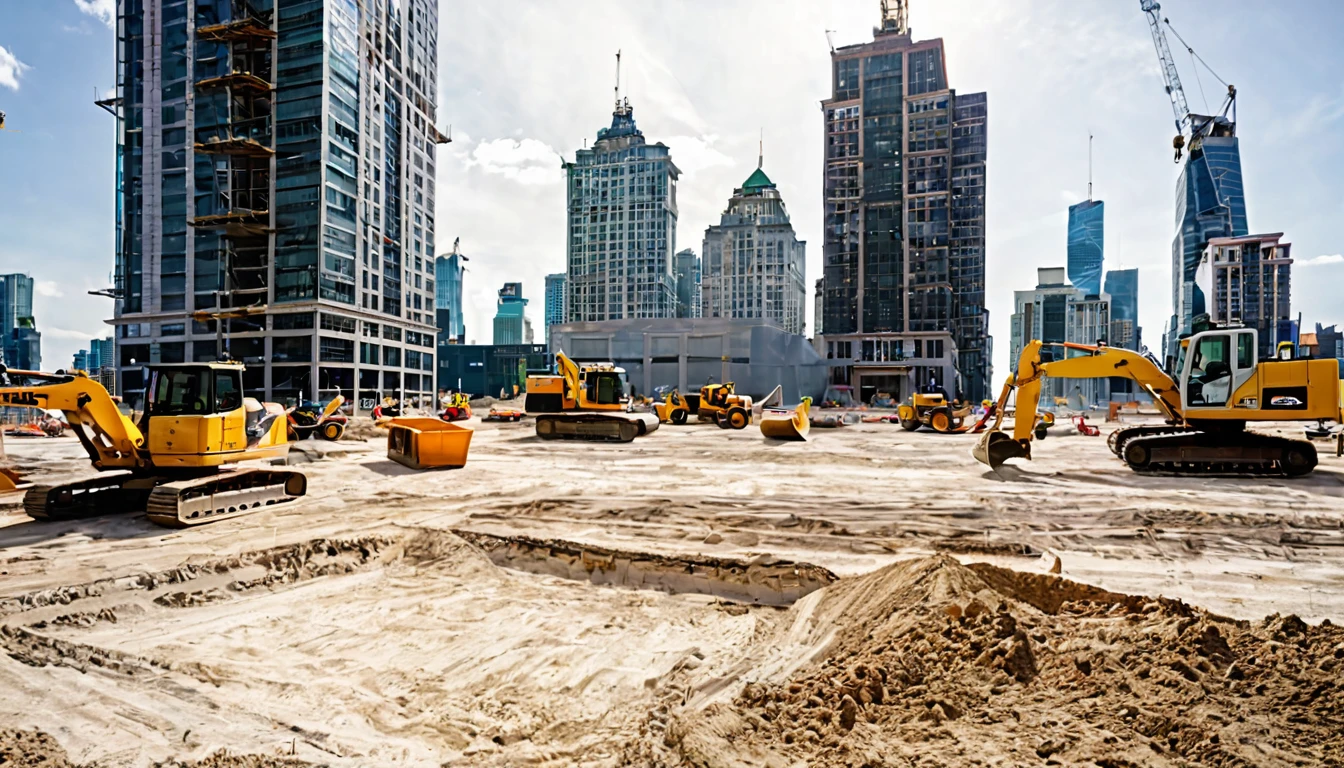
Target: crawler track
1206, 454
229, 494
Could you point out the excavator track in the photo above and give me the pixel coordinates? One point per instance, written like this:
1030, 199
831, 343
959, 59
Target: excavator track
1116, 440
102, 495
1206, 454
228, 494
595, 427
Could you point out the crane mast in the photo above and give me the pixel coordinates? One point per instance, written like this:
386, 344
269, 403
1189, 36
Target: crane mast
1173, 80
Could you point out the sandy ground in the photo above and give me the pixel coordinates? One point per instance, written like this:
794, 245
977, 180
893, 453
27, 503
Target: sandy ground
355, 628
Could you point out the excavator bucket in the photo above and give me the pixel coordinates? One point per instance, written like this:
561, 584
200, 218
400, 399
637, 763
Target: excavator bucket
996, 447
773, 400
787, 425
9, 480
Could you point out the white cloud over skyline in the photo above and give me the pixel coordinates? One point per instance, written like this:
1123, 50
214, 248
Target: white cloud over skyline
11, 69
103, 10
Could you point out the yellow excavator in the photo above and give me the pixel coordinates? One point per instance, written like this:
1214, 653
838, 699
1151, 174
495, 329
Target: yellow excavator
172, 463
1220, 387
584, 403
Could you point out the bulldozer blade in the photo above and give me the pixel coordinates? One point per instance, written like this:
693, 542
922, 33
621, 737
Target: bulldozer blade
995, 447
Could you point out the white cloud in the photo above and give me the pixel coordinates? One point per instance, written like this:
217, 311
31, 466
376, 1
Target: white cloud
10, 69
82, 28
1320, 261
103, 10
48, 288
81, 336
696, 153
526, 161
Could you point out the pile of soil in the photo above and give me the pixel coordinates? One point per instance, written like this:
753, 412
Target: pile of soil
31, 749
930, 662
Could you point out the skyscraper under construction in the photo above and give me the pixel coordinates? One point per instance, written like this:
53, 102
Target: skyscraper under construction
279, 154
904, 214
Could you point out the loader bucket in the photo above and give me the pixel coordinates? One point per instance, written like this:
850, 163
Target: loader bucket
787, 425
996, 447
425, 443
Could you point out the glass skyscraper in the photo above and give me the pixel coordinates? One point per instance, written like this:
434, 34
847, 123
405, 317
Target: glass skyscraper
622, 209
279, 154
20, 342
510, 319
903, 220
1087, 222
1210, 202
555, 302
448, 274
1123, 287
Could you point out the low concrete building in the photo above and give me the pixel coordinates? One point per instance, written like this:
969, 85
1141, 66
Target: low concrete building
688, 352
485, 369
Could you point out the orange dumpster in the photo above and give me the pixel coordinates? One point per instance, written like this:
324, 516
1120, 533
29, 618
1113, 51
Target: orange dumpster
425, 443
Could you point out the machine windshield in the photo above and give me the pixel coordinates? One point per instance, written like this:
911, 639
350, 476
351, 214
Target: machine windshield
178, 392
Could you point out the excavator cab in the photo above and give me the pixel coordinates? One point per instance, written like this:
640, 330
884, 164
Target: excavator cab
195, 413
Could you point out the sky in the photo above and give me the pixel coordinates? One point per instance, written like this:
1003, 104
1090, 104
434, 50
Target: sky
524, 83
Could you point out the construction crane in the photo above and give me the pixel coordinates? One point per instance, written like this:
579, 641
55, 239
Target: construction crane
1185, 121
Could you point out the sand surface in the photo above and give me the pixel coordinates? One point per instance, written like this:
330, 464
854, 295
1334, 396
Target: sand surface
659, 602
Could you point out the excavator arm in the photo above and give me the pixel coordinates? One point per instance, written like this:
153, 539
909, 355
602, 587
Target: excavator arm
110, 438
1098, 362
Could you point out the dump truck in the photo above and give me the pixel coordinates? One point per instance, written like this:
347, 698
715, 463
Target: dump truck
585, 402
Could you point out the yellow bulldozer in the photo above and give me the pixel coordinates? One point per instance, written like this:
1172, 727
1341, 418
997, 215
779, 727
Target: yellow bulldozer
175, 462
1219, 388
585, 402
721, 405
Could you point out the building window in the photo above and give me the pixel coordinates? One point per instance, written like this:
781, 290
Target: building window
338, 323
336, 350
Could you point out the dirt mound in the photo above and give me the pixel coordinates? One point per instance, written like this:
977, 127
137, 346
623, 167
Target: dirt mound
31, 749
944, 664
225, 759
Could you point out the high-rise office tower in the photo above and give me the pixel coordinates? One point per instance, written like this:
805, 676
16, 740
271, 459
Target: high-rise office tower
510, 319
622, 210
687, 269
448, 274
753, 263
1210, 202
20, 341
1122, 285
1055, 311
904, 216
1087, 222
555, 302
279, 153
1247, 281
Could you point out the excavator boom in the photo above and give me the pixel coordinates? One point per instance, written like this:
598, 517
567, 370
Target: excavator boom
110, 438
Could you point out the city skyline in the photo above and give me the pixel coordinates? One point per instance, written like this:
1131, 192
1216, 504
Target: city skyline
507, 147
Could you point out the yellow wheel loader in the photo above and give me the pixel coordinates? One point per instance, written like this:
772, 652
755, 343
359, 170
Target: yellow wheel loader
932, 411
720, 404
584, 403
175, 461
1220, 387
674, 409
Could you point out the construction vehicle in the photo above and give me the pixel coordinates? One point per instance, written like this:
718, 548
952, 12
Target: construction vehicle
933, 411
674, 409
503, 414
787, 424
456, 407
1197, 126
174, 463
720, 404
310, 418
1220, 387
585, 402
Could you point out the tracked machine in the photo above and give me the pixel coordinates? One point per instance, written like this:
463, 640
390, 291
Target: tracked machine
585, 402
175, 463
1219, 389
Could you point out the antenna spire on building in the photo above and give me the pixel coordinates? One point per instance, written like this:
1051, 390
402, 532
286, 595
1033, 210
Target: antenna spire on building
760, 156
618, 82
1089, 167
895, 17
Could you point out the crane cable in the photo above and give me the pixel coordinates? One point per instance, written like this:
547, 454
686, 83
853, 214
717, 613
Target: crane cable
1193, 55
